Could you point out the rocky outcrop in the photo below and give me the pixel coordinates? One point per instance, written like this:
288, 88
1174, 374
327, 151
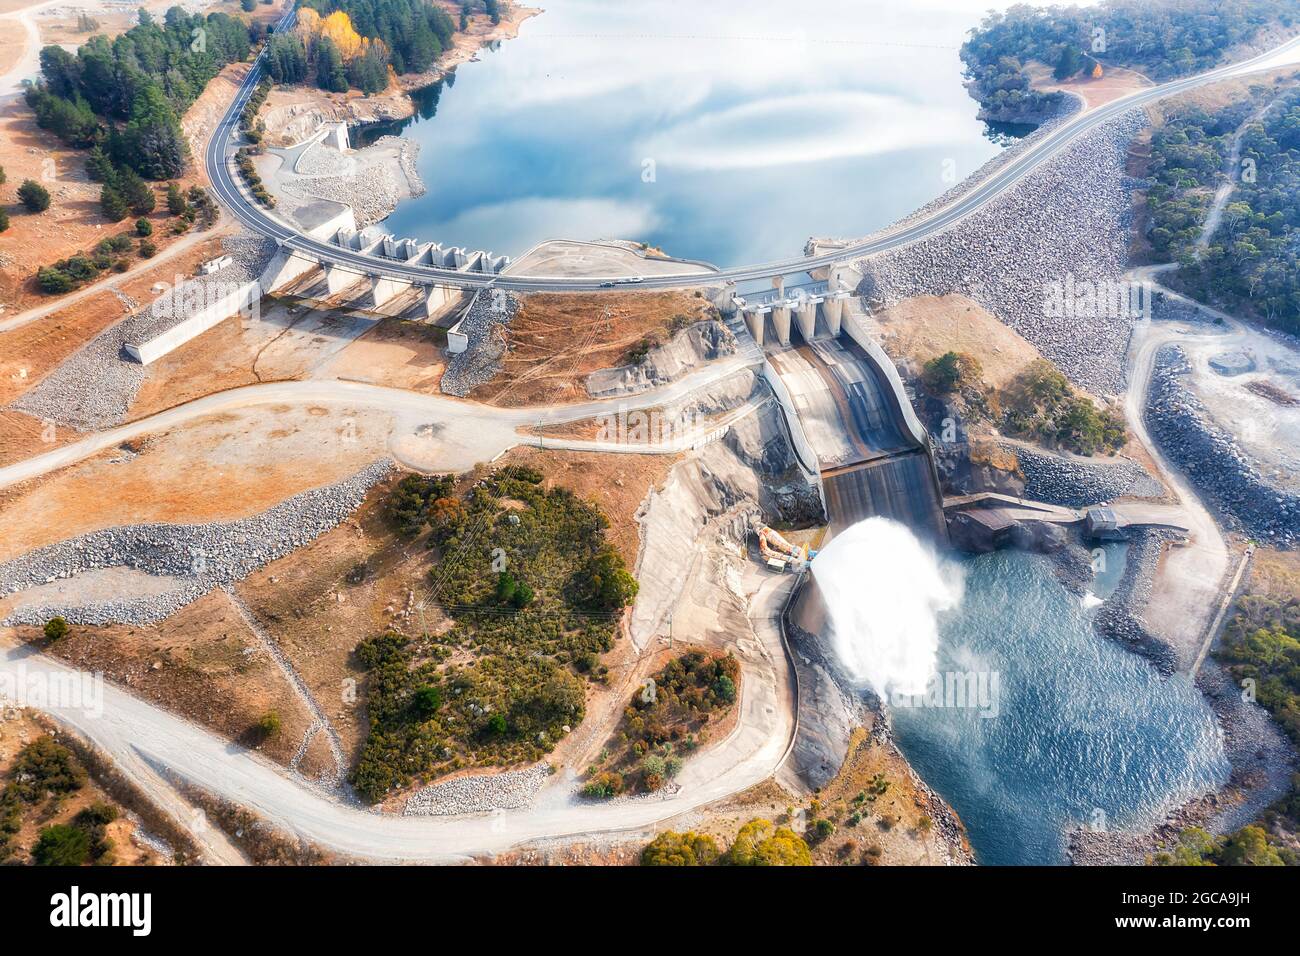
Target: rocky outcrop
685, 351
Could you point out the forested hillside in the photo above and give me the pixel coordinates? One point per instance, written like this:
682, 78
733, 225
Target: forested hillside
126, 95
352, 44
1252, 261
1160, 38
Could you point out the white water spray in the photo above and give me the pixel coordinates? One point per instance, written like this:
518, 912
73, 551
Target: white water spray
884, 590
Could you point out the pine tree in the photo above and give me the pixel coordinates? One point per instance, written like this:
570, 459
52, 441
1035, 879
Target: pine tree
111, 201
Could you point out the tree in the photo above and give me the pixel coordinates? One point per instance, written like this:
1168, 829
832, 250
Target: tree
680, 849
427, 701
1249, 846
62, 845
147, 249
98, 166
2, 176
1068, 63
34, 196
137, 193
947, 373
176, 204
143, 227
56, 628
330, 74
606, 583
759, 844
112, 203
4, 219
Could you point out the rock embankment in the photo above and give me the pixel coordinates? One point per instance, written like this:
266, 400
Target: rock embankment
485, 325
1212, 458
205, 556
481, 793
1072, 483
1067, 221
371, 180
96, 386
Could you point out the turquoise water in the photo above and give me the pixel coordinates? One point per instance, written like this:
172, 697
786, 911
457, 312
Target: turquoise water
729, 131
1084, 733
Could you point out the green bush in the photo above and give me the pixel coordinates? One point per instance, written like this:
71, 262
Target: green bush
34, 196
56, 628
143, 227
268, 725
62, 845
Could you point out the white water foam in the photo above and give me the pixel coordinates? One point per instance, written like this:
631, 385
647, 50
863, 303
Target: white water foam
884, 591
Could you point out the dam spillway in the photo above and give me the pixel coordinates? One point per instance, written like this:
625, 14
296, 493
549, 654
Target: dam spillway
871, 462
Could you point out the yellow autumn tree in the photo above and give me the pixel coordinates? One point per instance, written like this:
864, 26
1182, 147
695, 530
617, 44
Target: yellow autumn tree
337, 27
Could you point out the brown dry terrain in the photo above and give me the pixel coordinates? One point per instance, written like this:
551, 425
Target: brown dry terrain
321, 601
13, 43
924, 327
17, 730
22, 436
395, 353
556, 339
897, 823
292, 342
217, 468
202, 663
617, 484
30, 352
1115, 82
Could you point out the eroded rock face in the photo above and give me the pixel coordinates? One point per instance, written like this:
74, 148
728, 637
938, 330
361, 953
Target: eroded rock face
702, 342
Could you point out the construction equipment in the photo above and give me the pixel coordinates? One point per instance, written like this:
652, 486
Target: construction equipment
780, 554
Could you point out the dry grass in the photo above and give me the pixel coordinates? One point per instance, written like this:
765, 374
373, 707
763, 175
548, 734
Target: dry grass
557, 339
202, 663
924, 327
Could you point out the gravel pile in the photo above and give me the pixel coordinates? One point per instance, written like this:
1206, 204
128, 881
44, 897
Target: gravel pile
512, 790
1211, 457
96, 386
1068, 219
207, 556
485, 326
1075, 484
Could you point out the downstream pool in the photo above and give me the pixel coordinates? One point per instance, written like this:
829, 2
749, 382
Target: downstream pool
1084, 732
728, 131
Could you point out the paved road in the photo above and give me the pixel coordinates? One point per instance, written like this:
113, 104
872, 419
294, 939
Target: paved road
228, 188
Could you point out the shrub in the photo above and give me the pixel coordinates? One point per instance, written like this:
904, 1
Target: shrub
56, 628
62, 845
34, 196
143, 227
4, 220
603, 786
147, 249
427, 701
268, 725
680, 849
